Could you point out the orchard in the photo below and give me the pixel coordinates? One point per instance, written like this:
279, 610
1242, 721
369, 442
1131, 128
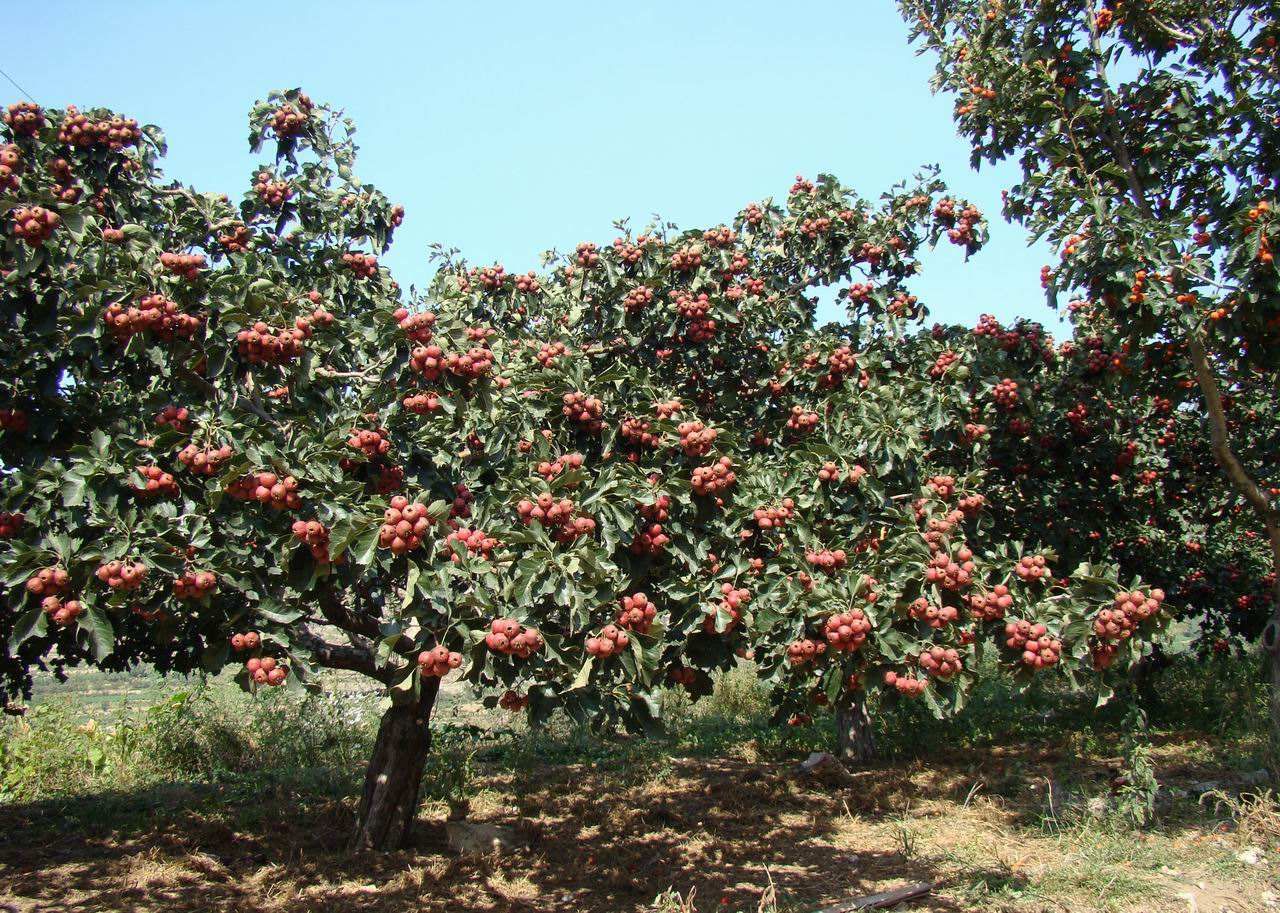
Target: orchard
231, 441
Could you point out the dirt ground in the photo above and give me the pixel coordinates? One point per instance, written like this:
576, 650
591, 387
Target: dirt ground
733, 834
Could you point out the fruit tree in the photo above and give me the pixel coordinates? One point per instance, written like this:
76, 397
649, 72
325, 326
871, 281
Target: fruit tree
231, 440
1147, 138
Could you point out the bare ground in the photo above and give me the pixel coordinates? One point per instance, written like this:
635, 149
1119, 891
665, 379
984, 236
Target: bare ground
992, 829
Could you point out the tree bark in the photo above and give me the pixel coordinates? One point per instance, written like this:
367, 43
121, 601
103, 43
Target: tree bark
393, 781
855, 737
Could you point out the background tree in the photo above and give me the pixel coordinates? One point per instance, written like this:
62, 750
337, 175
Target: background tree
1146, 135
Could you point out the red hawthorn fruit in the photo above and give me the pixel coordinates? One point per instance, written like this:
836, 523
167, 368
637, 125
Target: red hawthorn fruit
637, 613
509, 637
438, 661
611, 640
195, 585
122, 575
907, 686
847, 631
804, 651
11, 524
34, 224
404, 525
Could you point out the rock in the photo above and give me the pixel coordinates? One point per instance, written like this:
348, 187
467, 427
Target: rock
824, 767
478, 838
1250, 856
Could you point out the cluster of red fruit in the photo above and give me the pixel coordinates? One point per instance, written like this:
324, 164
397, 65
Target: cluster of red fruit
667, 409
636, 613
951, 573
115, 134
847, 631
48, 581
205, 461
549, 353
10, 166
403, 525
10, 524
962, 222
62, 612
588, 255
273, 193
174, 418
804, 651
943, 486
266, 671
940, 662
943, 362
732, 599
991, 606
195, 585
696, 439
690, 306
610, 640
418, 327
513, 701
935, 616
34, 224
156, 482
187, 266
651, 538
235, 239
686, 259
971, 505
122, 575
24, 118
1005, 393
906, 685
290, 121
801, 420
464, 541
830, 472
827, 560
154, 313
372, 442
774, 517
557, 516
365, 266
1038, 648
422, 403
714, 479
584, 410
1128, 611
268, 488
249, 640
549, 469
509, 637
314, 534
1032, 568
262, 344
636, 431
637, 299
438, 661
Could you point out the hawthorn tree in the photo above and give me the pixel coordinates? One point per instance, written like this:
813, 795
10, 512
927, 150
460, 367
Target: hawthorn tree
1147, 138
230, 439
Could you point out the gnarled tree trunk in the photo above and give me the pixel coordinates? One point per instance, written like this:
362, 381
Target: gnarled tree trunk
855, 739
392, 783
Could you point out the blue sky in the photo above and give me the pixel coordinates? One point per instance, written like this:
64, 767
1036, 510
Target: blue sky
508, 128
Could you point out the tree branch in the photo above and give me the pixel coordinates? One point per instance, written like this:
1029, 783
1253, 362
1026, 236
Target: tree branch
341, 656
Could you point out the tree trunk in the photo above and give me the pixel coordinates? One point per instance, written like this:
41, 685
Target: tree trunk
855, 738
392, 783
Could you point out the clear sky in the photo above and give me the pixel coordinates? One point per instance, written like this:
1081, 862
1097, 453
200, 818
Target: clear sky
507, 128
